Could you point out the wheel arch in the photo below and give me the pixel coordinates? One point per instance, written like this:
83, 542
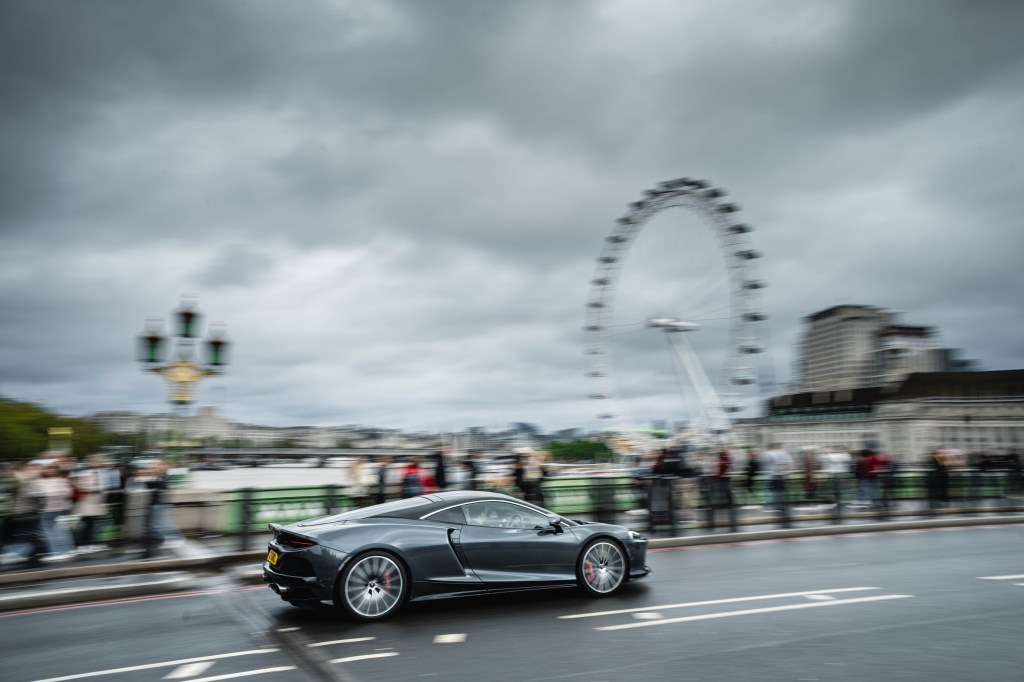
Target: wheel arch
606, 536
363, 551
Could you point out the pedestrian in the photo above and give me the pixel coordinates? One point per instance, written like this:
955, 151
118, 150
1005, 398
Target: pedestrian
115, 483
723, 480
440, 475
533, 478
519, 473
160, 529
413, 480
22, 524
383, 472
751, 472
90, 505
835, 465
356, 483
473, 469
52, 493
776, 464
809, 468
937, 479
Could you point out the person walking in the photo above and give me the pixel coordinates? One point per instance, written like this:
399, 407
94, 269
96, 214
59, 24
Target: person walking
440, 474
750, 473
22, 523
160, 529
776, 464
809, 469
413, 480
90, 505
383, 472
937, 481
473, 469
835, 465
53, 498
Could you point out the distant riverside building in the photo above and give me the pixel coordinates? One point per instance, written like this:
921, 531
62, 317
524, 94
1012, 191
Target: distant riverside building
970, 411
838, 347
864, 376
847, 347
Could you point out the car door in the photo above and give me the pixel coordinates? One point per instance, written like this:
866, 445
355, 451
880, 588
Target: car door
509, 544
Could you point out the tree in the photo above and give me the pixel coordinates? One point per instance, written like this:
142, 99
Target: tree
24, 432
580, 450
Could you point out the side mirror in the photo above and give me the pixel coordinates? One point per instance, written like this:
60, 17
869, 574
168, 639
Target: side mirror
556, 522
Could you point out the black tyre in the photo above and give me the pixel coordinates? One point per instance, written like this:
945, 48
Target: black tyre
373, 586
601, 569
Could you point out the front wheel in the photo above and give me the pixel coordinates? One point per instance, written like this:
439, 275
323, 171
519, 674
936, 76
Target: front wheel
601, 568
373, 586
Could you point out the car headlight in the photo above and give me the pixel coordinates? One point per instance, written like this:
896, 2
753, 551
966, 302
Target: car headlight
633, 535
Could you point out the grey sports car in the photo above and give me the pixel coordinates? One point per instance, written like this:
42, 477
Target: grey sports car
372, 560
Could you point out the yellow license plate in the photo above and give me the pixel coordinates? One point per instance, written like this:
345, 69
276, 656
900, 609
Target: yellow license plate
272, 558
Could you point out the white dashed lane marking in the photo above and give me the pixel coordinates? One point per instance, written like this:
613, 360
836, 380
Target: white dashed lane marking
1001, 577
364, 657
342, 641
713, 602
247, 673
750, 612
450, 639
189, 670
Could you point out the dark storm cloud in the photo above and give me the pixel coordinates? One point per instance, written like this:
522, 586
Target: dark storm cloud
396, 206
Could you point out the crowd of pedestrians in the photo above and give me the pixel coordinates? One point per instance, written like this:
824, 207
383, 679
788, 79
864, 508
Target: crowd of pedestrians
522, 476
823, 477
53, 509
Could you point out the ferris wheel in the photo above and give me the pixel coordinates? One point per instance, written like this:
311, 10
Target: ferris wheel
690, 279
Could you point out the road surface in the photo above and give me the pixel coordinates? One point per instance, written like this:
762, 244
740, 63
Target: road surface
907, 605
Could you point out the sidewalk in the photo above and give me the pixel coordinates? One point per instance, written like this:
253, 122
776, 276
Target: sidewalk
121, 573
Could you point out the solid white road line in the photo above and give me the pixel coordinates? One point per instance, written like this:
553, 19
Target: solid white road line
749, 612
164, 664
712, 602
189, 670
349, 659
342, 641
1001, 577
450, 639
247, 673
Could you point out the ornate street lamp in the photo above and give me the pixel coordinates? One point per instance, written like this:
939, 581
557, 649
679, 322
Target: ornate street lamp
186, 369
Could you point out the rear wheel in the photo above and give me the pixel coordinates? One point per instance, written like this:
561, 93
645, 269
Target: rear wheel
373, 586
601, 568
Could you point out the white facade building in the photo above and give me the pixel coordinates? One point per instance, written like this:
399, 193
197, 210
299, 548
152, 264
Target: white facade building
969, 411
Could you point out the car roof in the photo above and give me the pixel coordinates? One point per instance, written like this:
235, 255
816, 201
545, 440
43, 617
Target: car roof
457, 496
416, 508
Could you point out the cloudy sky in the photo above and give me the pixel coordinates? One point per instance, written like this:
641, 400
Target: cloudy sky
395, 207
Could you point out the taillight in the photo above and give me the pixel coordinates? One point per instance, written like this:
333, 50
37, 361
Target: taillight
290, 540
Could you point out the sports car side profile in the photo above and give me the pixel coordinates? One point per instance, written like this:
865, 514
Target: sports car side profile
370, 561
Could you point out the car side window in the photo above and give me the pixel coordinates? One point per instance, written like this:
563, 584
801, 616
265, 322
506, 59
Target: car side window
453, 515
503, 515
